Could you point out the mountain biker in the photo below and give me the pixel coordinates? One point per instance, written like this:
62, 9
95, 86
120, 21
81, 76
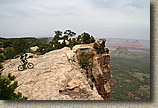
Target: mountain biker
23, 59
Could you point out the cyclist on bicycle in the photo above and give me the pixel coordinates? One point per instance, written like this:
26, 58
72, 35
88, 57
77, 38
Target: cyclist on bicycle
23, 59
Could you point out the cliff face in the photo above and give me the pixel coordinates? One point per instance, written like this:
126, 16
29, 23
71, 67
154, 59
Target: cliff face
57, 75
98, 75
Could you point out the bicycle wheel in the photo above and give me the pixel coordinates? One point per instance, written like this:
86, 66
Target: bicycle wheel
30, 65
20, 68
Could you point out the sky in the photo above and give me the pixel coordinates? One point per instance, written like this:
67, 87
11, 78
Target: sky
100, 18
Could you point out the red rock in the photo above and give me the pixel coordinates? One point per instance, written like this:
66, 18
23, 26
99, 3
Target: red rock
100, 57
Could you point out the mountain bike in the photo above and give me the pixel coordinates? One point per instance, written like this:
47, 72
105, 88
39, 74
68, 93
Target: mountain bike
28, 65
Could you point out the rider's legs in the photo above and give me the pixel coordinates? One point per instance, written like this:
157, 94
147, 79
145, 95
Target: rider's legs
24, 61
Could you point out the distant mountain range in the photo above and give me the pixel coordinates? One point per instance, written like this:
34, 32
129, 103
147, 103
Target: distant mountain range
121, 52
130, 43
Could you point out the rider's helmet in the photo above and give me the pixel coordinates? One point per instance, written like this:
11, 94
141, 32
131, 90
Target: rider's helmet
25, 55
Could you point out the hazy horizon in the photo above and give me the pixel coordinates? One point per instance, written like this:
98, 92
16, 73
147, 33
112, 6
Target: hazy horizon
72, 37
101, 18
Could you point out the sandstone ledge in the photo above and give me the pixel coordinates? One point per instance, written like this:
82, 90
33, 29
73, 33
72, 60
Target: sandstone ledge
58, 76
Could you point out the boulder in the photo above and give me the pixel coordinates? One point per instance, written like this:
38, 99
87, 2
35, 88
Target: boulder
34, 48
99, 46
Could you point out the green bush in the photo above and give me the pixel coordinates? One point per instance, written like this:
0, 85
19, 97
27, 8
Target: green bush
7, 88
2, 57
1, 66
64, 43
44, 48
85, 63
1, 51
37, 43
69, 33
9, 52
92, 39
87, 39
20, 45
7, 43
72, 43
58, 45
58, 34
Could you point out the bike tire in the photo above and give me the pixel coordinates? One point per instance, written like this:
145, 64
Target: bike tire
30, 65
20, 67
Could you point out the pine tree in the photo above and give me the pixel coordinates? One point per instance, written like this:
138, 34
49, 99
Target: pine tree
7, 88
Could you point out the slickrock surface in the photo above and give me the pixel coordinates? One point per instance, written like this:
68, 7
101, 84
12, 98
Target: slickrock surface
57, 75
53, 77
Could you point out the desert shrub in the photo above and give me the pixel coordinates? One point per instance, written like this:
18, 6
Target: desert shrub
1, 51
9, 52
7, 88
20, 45
1, 66
43, 48
92, 40
58, 35
85, 63
2, 57
7, 43
37, 43
69, 33
72, 43
64, 43
86, 38
57, 45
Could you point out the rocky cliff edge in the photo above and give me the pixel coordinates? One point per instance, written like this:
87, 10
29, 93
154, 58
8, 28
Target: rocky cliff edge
57, 75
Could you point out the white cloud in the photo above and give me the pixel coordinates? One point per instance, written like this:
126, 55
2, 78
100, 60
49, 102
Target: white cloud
111, 18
